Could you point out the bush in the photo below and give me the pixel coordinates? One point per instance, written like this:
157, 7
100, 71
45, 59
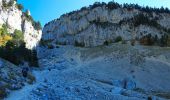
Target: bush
4, 35
31, 78
3, 30
124, 42
37, 25
4, 39
78, 44
168, 41
118, 39
33, 59
106, 43
45, 42
4, 4
133, 41
3, 93
113, 5
17, 55
18, 35
11, 2
142, 19
147, 40
96, 4
7, 5
164, 40
28, 17
61, 43
12, 48
50, 47
20, 6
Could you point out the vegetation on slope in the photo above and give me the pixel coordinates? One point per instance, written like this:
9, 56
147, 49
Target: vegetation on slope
12, 48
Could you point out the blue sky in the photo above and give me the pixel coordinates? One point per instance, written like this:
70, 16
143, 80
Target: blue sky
47, 10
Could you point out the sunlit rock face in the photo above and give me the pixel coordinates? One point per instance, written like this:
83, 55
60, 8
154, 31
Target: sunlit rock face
31, 36
94, 26
13, 18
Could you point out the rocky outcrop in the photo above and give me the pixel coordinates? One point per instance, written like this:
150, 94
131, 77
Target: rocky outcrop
14, 18
95, 25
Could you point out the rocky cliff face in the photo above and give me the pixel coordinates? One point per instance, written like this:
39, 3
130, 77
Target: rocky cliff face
14, 18
94, 25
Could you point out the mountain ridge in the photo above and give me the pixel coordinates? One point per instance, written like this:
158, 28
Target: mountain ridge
101, 22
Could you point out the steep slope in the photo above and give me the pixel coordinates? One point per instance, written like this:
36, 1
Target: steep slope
118, 71
12, 16
17, 31
11, 78
100, 23
114, 72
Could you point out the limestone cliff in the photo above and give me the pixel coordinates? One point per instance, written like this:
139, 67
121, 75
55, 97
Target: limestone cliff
15, 18
96, 24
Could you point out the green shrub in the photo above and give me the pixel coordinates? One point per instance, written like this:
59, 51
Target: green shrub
142, 19
7, 5
124, 42
31, 78
168, 41
45, 42
18, 54
132, 42
33, 60
18, 35
148, 40
3, 93
14, 50
37, 25
106, 43
3, 30
50, 47
118, 39
164, 40
113, 5
28, 17
4, 4
78, 44
11, 2
20, 6
61, 43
